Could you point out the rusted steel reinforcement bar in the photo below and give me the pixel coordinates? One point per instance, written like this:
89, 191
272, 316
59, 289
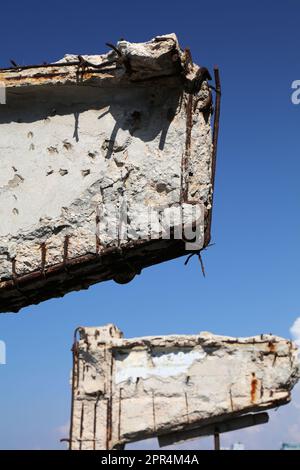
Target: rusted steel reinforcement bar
70, 262
216, 123
215, 143
56, 268
74, 380
59, 64
95, 268
187, 153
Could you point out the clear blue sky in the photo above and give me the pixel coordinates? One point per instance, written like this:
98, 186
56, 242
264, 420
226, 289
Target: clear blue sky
252, 283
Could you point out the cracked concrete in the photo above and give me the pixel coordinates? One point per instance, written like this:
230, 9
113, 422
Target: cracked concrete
126, 390
75, 142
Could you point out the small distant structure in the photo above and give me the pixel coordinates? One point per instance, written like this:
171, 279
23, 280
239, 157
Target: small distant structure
235, 446
238, 446
290, 446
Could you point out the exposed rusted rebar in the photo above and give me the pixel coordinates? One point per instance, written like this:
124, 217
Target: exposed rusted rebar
215, 144
75, 380
72, 63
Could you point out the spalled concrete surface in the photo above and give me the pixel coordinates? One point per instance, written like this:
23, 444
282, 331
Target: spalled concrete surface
125, 390
80, 139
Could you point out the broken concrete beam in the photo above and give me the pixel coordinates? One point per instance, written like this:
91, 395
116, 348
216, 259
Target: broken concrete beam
124, 390
106, 167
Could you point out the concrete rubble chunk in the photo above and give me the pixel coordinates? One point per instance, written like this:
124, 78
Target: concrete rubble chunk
124, 390
106, 167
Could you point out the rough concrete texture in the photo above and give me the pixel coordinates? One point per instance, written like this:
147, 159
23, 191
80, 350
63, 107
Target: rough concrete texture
80, 137
125, 390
